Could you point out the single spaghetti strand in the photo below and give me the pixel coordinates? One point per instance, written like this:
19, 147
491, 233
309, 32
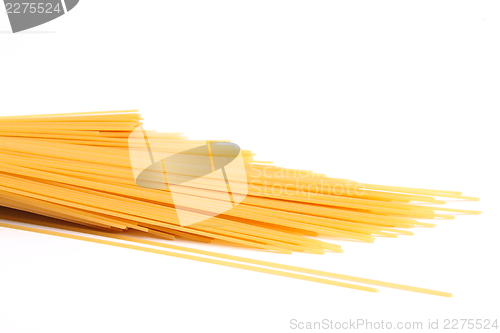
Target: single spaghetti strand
241, 259
191, 257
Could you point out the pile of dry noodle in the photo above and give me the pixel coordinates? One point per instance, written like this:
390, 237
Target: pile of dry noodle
77, 168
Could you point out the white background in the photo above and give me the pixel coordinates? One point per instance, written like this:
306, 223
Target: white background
383, 92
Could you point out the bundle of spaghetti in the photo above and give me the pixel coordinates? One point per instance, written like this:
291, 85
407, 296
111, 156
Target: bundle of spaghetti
78, 168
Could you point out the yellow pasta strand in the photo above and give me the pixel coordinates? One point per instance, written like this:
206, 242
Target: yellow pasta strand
78, 167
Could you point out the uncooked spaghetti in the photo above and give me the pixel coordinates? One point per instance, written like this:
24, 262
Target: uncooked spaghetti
78, 168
